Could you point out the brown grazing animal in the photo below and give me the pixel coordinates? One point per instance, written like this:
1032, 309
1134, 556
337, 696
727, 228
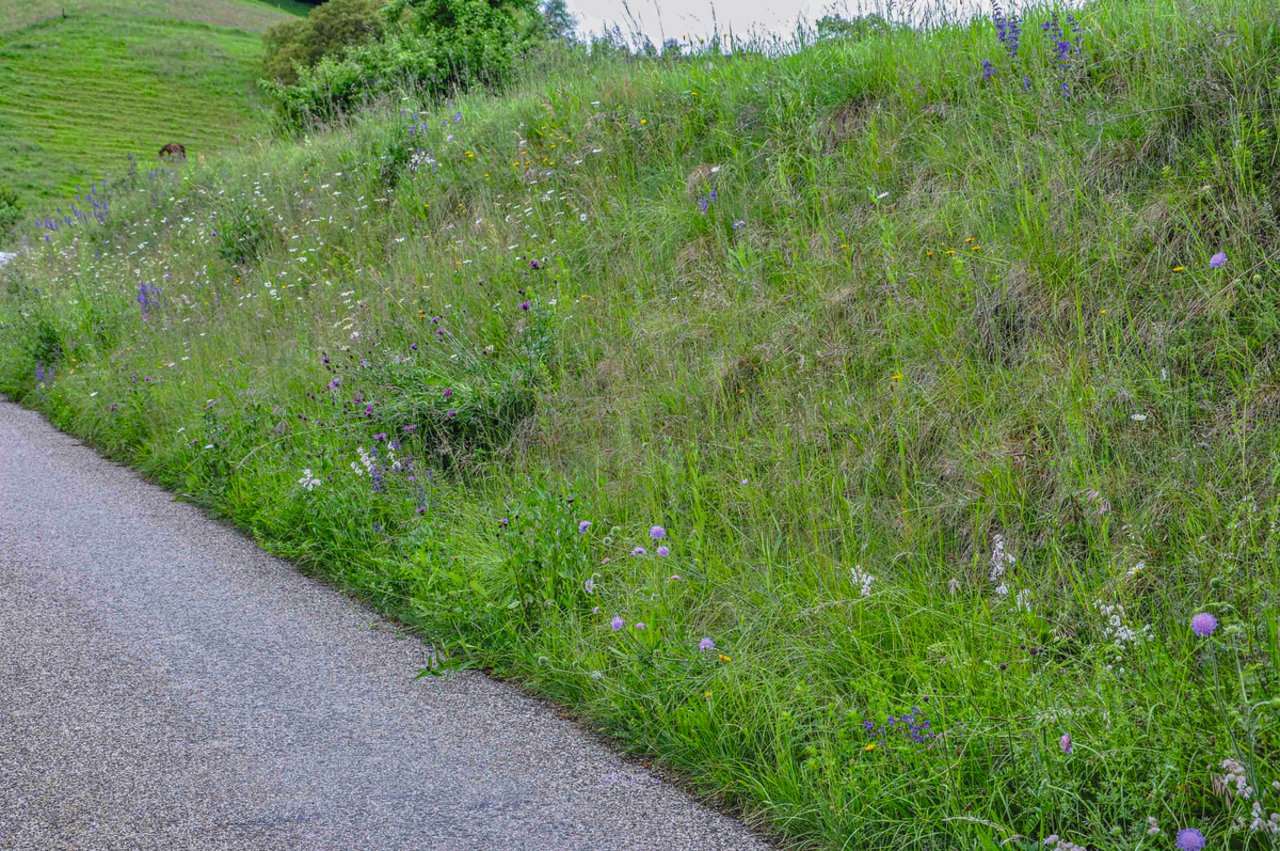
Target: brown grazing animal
173, 151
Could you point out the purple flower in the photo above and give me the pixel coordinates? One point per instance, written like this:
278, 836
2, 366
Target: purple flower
639, 624
639, 551
706, 645
525, 305
617, 623
410, 427
450, 414
1190, 839
590, 585
663, 551
504, 522
1204, 624
583, 526
988, 70
1218, 260
657, 533
448, 392
382, 435
1065, 743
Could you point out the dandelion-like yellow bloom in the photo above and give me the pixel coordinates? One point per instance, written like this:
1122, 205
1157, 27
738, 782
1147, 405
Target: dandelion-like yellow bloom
708, 694
870, 746
1179, 268
897, 376
724, 658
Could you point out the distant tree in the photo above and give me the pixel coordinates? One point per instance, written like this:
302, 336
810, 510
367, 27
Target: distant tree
859, 26
558, 21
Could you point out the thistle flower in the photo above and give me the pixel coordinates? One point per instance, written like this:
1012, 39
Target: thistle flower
1204, 624
525, 305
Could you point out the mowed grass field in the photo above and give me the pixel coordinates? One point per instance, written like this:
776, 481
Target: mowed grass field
113, 78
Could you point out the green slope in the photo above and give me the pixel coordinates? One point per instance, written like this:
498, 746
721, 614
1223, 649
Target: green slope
944, 405
113, 78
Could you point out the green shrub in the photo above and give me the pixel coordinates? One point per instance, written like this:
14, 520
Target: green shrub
10, 211
329, 31
433, 47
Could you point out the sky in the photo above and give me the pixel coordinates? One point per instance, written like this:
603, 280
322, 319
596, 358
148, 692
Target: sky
678, 18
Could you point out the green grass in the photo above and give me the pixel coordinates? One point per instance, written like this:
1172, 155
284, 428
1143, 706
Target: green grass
926, 319
116, 78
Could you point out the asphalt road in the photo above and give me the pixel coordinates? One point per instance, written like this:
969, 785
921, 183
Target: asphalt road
164, 684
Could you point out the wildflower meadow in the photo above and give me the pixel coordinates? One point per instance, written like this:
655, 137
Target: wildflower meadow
882, 434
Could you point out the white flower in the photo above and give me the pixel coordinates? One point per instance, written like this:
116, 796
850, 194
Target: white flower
862, 578
308, 481
1000, 559
1139, 418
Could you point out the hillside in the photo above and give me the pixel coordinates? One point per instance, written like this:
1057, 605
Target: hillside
858, 431
115, 78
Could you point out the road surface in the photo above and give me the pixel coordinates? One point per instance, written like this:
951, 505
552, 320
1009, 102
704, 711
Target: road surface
164, 684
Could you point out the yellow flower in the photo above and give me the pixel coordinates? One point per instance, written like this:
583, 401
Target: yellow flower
870, 746
708, 694
928, 254
897, 376
644, 121
975, 248
724, 658
951, 251
1104, 311
970, 239
1179, 268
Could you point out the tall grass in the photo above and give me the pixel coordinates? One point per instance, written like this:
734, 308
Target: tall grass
926, 376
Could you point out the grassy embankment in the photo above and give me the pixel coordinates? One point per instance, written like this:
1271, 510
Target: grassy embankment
927, 376
120, 77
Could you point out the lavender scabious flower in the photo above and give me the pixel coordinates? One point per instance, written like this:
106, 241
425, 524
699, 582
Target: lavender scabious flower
1204, 624
1065, 743
639, 551
1190, 839
590, 585
1218, 260
663, 551
525, 305
706, 645
583, 526
657, 533
617, 623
